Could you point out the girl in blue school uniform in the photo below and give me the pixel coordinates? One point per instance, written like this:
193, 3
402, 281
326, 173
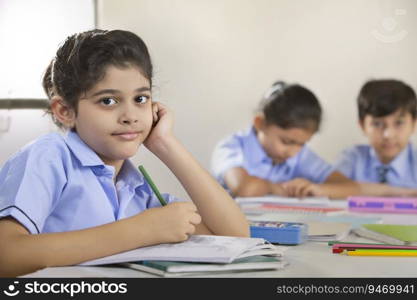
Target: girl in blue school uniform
387, 116
65, 199
271, 157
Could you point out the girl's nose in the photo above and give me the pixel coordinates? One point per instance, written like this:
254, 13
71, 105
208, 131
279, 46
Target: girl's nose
129, 116
129, 121
388, 132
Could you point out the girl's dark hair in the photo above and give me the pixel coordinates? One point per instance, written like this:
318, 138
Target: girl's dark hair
383, 97
291, 106
83, 58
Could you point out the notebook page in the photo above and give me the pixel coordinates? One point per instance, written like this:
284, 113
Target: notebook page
198, 248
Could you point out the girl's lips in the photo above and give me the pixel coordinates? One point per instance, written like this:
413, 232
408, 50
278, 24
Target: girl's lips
128, 136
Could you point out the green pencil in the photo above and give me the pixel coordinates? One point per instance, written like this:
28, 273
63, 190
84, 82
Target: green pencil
153, 186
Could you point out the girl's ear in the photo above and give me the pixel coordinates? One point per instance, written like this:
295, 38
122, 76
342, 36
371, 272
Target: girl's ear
361, 124
62, 112
259, 122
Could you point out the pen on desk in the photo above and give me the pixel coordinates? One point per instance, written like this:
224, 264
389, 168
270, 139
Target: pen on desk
377, 252
153, 186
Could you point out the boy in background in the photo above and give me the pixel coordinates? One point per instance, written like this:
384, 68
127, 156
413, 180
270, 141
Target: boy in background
387, 117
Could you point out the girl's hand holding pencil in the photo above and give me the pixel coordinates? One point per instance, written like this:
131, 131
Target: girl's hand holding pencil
172, 223
178, 219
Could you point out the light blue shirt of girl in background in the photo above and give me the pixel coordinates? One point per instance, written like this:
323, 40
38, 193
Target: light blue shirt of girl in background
243, 150
360, 163
58, 183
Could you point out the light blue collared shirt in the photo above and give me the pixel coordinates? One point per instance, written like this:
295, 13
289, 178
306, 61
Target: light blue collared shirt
244, 150
360, 163
57, 183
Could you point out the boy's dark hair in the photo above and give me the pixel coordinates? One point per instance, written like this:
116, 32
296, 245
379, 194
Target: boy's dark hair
380, 98
83, 58
291, 106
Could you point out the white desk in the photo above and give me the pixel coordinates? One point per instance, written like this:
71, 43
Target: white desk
311, 259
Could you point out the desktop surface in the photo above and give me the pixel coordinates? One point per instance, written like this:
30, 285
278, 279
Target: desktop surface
311, 260
308, 260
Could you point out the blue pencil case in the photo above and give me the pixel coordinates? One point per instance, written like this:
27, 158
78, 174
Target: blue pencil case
287, 233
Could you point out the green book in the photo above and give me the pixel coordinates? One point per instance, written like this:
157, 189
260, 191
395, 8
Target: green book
389, 233
176, 268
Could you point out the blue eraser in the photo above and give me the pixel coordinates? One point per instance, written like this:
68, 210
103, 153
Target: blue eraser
287, 233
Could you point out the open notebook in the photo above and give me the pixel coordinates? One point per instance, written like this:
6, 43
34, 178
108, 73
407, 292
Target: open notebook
198, 248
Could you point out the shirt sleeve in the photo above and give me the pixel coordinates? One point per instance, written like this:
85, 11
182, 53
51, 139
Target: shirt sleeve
313, 167
30, 184
345, 163
226, 155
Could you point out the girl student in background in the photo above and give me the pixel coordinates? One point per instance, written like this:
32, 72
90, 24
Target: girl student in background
271, 157
65, 199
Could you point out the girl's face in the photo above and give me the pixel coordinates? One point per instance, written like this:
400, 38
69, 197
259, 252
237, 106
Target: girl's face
115, 116
281, 144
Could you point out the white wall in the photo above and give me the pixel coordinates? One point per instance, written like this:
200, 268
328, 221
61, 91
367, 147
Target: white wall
214, 59
30, 33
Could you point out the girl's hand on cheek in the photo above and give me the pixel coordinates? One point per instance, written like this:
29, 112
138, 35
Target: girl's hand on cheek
163, 122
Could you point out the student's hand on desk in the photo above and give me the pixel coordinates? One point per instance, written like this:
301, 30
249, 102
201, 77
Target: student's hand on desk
163, 123
277, 189
312, 190
172, 223
298, 187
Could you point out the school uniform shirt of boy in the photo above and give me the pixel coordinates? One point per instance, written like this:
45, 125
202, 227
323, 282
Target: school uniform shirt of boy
361, 163
243, 149
58, 183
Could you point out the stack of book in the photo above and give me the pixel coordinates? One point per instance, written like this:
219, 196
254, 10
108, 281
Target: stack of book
200, 255
325, 219
398, 240
311, 205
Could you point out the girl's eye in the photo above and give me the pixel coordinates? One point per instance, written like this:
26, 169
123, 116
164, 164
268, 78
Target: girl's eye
399, 123
108, 101
141, 99
377, 124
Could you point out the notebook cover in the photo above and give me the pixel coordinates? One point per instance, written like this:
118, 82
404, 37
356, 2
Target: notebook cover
405, 233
